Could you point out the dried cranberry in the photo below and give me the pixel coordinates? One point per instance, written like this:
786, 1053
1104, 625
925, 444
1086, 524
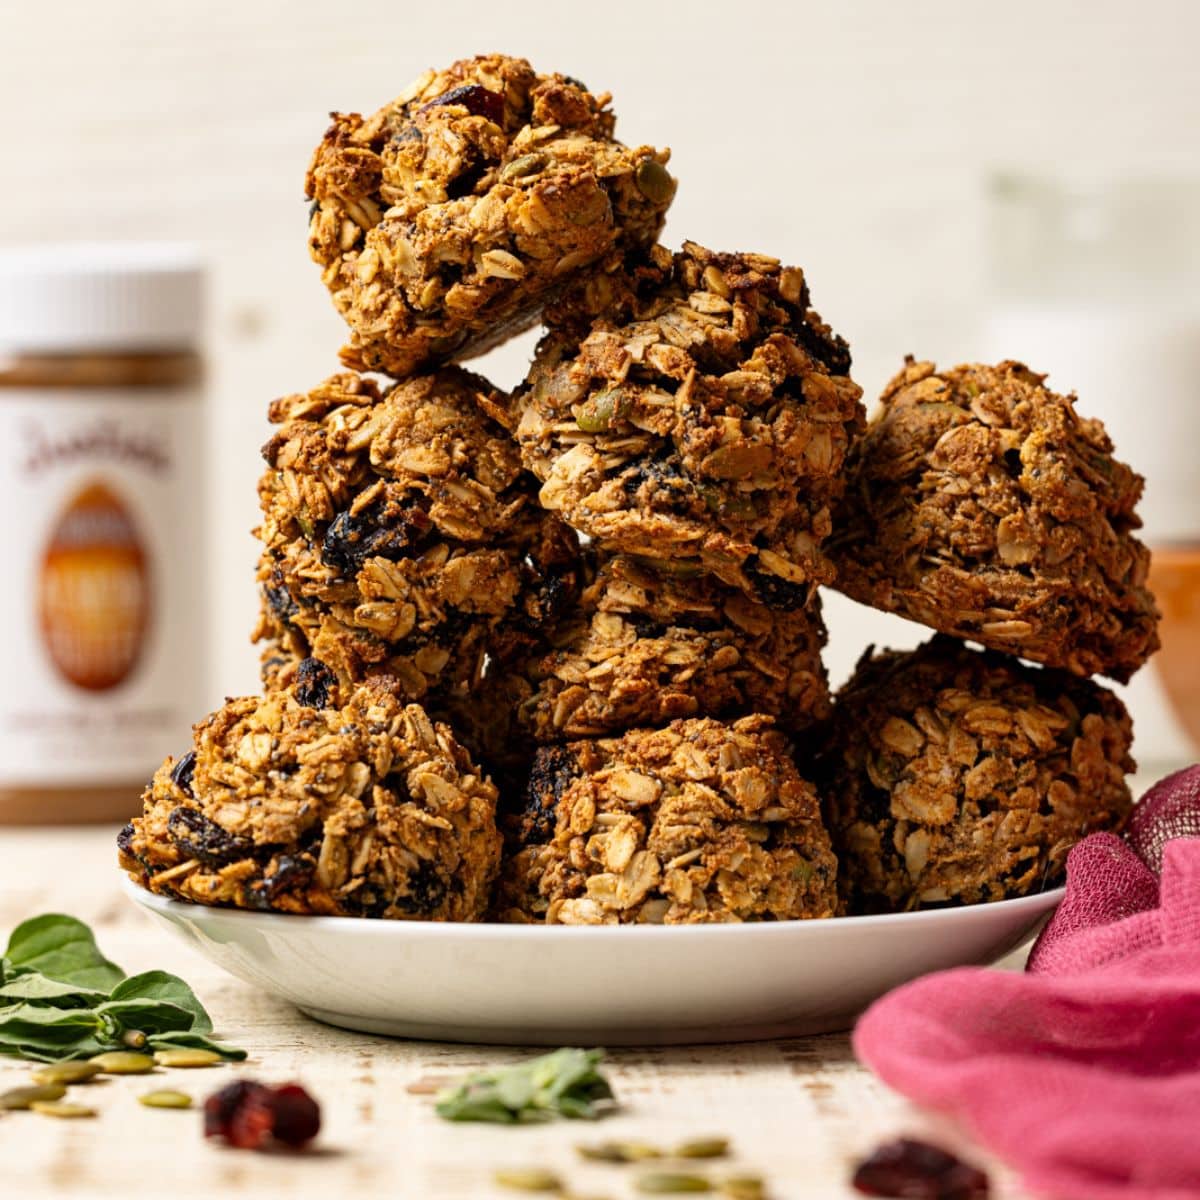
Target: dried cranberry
297, 1115
914, 1170
315, 683
221, 1107
249, 1115
252, 1123
183, 773
477, 100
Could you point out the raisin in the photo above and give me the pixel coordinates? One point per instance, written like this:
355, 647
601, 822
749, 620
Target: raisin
426, 890
376, 532
828, 348
315, 683
290, 871
554, 770
125, 840
918, 1171
476, 99
198, 837
183, 772
776, 592
280, 602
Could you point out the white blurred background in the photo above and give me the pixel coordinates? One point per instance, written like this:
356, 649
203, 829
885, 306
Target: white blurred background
854, 139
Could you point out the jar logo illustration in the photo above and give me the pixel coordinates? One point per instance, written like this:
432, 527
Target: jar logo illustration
94, 592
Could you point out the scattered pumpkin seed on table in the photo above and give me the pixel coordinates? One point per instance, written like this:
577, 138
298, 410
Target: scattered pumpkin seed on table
123, 1062
744, 1187
66, 1072
165, 1098
672, 1183
618, 1152
528, 1179
712, 1147
61, 1108
187, 1058
19, 1098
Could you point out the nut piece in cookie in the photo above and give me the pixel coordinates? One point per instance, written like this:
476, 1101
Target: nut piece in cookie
693, 407
953, 776
444, 221
647, 643
399, 528
311, 800
982, 505
700, 821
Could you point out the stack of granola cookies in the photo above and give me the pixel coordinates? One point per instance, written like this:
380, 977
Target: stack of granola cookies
555, 656
981, 504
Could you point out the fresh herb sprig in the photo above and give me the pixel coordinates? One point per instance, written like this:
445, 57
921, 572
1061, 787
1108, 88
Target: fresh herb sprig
565, 1083
60, 998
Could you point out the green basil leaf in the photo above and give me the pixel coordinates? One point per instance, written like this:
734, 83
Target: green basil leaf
162, 986
62, 948
565, 1083
34, 986
193, 1041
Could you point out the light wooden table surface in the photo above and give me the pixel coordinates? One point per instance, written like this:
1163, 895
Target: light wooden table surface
798, 1111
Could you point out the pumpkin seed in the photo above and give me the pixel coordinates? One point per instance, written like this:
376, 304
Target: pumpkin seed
60, 1108
528, 1179
654, 182
671, 1183
123, 1062
744, 1187
65, 1072
187, 1058
713, 1147
23, 1097
597, 414
619, 1152
135, 1039
519, 168
165, 1098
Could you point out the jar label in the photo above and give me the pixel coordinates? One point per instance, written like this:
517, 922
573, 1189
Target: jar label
101, 536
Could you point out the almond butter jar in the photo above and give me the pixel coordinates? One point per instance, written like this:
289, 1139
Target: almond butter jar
101, 524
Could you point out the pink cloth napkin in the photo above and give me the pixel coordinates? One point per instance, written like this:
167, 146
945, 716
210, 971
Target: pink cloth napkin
1083, 1073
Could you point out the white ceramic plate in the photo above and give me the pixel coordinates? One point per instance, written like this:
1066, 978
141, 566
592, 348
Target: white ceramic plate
600, 985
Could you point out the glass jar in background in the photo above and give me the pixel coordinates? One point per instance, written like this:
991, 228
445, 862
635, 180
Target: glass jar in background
1097, 283
101, 524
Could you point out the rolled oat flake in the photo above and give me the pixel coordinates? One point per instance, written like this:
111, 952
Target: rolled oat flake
101, 462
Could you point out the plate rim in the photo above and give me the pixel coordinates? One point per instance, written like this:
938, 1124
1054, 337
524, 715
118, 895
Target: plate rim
472, 930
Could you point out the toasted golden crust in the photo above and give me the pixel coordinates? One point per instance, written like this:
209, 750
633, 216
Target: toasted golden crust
700, 821
693, 407
955, 776
313, 801
982, 505
644, 646
445, 220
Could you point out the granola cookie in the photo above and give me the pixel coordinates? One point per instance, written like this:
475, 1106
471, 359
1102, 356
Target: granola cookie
699, 821
311, 801
644, 646
952, 775
399, 529
981, 504
693, 407
444, 221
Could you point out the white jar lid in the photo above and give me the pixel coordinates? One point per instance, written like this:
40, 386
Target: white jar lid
105, 296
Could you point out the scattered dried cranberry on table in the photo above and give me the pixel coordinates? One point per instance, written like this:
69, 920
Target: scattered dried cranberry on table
913, 1170
249, 1115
